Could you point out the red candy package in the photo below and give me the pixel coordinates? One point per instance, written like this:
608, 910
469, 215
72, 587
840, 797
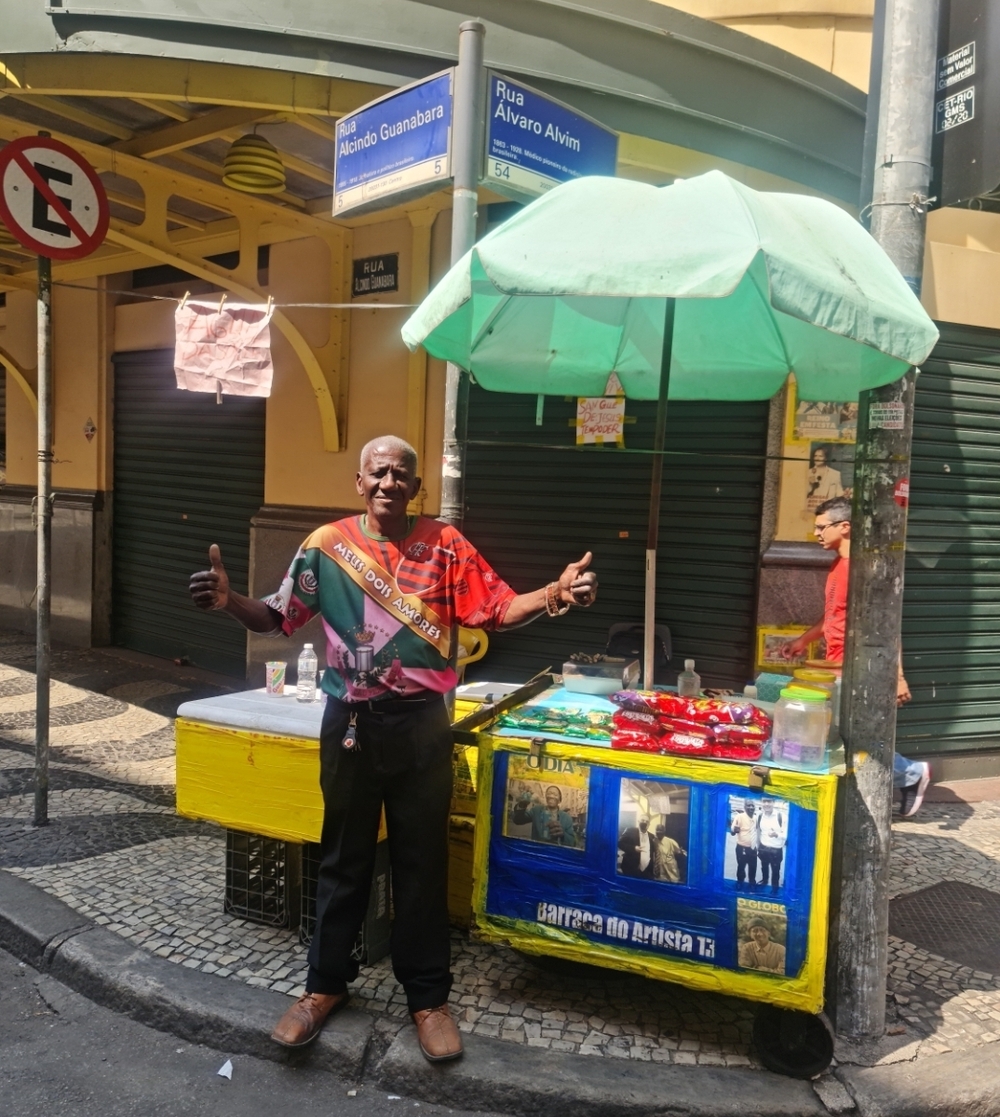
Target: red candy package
686, 742
636, 740
658, 721
632, 719
741, 734
739, 742
702, 711
748, 751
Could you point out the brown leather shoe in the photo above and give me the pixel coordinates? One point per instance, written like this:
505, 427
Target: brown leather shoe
303, 1022
437, 1034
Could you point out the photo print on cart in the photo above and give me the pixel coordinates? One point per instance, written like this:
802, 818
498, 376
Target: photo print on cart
653, 830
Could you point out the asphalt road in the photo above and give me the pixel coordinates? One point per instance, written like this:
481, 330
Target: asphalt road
60, 1053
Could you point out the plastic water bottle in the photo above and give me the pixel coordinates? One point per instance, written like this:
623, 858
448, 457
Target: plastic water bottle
305, 677
688, 682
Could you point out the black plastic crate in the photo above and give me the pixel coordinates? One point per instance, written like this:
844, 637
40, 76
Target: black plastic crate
373, 938
263, 879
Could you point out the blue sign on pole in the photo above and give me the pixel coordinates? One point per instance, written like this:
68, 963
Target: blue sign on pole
399, 144
534, 142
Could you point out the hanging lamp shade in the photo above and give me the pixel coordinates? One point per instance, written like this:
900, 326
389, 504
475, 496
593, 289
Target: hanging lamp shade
254, 166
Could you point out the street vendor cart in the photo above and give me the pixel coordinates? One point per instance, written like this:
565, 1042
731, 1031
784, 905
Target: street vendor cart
558, 871
707, 290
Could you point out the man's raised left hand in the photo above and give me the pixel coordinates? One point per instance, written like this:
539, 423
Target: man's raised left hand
577, 584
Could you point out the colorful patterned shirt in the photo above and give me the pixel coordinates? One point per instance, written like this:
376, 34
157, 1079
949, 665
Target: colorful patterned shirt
393, 636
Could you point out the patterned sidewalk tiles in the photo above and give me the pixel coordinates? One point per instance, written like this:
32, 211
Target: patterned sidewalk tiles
116, 852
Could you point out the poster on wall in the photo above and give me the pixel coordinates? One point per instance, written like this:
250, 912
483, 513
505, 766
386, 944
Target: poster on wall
658, 863
829, 422
819, 462
831, 474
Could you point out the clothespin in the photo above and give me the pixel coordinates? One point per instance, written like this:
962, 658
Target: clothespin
187, 295
225, 295
270, 305
535, 752
218, 391
758, 776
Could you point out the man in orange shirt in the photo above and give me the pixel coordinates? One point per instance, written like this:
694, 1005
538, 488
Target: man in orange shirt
833, 531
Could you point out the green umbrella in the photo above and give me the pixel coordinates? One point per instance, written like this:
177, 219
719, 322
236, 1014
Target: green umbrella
705, 289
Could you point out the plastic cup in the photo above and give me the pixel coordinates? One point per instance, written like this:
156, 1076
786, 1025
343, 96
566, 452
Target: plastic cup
274, 675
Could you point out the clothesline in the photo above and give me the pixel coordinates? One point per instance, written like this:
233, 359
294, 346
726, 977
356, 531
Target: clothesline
275, 305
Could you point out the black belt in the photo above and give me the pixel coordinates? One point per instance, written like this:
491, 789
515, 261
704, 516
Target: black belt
393, 705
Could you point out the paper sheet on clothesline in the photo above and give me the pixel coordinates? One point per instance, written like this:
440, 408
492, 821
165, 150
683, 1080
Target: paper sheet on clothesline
223, 350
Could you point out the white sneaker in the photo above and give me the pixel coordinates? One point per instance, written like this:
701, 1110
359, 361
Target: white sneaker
912, 805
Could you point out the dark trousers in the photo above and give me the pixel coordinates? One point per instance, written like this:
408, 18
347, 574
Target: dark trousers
403, 759
746, 864
770, 859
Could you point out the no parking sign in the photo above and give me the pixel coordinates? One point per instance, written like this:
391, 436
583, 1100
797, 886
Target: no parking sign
51, 199
53, 203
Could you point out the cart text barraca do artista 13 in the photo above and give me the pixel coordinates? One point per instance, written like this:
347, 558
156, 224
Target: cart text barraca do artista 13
632, 931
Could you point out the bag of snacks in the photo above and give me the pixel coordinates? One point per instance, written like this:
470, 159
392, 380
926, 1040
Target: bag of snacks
636, 740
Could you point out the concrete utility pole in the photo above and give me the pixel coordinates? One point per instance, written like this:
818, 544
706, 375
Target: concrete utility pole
466, 159
901, 170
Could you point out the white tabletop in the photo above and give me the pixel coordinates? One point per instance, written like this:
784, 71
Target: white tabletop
260, 711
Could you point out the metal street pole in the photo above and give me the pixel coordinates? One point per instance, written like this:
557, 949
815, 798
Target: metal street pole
901, 179
43, 514
466, 159
655, 490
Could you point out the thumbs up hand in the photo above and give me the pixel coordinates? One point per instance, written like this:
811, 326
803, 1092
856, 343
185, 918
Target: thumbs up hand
210, 588
577, 585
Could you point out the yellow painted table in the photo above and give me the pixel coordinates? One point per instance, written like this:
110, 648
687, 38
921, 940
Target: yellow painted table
250, 762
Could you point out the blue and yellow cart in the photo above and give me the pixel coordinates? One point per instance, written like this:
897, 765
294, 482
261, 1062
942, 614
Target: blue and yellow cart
557, 872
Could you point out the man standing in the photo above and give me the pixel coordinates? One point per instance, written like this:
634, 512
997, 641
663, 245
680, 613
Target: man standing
638, 855
549, 823
771, 837
744, 826
390, 588
833, 530
669, 856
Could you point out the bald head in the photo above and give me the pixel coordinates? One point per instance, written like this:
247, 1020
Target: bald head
388, 481
390, 444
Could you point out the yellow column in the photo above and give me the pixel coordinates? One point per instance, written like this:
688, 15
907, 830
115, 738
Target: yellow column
422, 221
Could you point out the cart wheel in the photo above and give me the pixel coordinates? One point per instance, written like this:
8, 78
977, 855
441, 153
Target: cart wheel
793, 1043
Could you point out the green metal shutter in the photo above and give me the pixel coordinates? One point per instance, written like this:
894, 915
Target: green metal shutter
188, 472
534, 503
951, 601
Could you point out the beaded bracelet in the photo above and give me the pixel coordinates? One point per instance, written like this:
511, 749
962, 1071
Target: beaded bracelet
552, 606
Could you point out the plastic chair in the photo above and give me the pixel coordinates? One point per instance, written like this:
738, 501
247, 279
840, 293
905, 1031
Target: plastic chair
625, 639
473, 643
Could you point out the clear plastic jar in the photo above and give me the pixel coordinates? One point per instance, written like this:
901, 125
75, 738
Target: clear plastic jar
801, 727
827, 680
814, 677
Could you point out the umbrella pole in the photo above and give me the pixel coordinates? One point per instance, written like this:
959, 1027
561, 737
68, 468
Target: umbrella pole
655, 485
